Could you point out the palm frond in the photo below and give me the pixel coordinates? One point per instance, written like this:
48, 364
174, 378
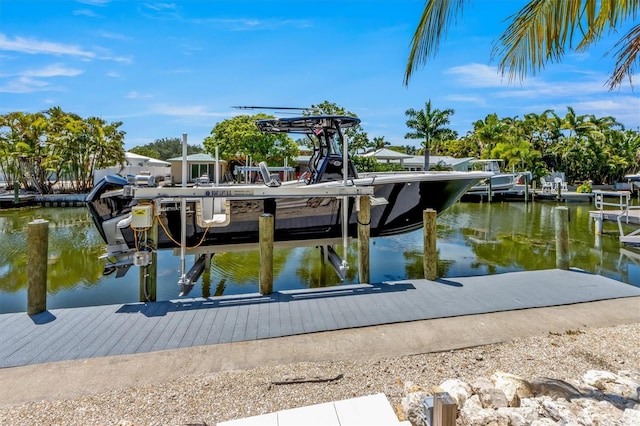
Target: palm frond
434, 22
628, 48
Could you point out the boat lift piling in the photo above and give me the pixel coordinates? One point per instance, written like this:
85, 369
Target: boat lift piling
562, 237
430, 255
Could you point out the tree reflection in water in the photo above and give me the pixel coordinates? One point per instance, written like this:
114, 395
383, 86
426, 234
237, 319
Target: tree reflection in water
473, 239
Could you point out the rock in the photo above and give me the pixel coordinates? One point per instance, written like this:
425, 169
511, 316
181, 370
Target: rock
521, 416
601, 413
472, 414
598, 379
543, 422
554, 388
630, 417
515, 388
413, 408
458, 390
559, 410
490, 396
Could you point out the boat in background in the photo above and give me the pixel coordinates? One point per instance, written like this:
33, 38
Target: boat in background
501, 184
217, 217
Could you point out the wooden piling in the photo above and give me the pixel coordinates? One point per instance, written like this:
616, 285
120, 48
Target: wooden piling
266, 224
364, 234
445, 410
526, 188
430, 255
562, 237
38, 254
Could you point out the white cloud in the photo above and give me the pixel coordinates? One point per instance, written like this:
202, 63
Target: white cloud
30, 46
24, 85
85, 12
94, 2
113, 36
54, 70
477, 75
135, 95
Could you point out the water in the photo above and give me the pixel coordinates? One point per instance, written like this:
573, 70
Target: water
473, 239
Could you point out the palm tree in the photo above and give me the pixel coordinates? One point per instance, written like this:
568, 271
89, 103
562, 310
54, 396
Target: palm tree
379, 142
541, 32
429, 124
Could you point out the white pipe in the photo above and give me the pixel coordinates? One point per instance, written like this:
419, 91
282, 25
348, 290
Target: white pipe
183, 212
217, 168
345, 203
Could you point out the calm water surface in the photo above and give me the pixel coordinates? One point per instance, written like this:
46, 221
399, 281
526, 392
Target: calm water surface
473, 239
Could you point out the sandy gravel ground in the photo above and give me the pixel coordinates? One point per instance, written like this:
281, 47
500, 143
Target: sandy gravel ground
214, 397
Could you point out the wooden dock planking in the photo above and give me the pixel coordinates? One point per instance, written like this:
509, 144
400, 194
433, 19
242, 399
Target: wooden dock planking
75, 333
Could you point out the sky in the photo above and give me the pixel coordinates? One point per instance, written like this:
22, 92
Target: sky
168, 68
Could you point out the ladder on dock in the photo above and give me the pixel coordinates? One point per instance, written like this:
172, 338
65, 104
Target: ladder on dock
620, 201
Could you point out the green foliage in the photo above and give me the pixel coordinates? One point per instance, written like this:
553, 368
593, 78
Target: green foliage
240, 136
38, 150
357, 137
585, 188
165, 148
429, 124
146, 151
370, 164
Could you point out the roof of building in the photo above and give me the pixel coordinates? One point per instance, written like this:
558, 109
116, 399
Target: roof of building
201, 157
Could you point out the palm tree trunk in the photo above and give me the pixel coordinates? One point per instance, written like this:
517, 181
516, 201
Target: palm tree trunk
426, 158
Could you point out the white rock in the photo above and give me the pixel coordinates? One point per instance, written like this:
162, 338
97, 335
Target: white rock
472, 414
630, 418
515, 388
520, 416
601, 413
597, 378
560, 410
459, 390
413, 408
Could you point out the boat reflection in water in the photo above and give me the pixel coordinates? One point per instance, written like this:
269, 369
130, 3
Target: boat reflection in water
473, 239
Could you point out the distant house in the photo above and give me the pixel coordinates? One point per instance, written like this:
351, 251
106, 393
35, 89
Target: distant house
198, 166
135, 164
416, 162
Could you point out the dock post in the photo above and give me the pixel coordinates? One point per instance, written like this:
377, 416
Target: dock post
445, 410
430, 256
490, 195
526, 188
38, 254
562, 237
598, 224
364, 234
266, 253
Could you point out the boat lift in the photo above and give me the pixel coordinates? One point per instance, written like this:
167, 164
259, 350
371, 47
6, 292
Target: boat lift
161, 195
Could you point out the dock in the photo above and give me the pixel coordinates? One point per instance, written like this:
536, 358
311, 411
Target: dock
135, 328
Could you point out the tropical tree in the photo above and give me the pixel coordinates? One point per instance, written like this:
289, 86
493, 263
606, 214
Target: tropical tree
379, 142
543, 31
166, 148
428, 124
241, 135
357, 137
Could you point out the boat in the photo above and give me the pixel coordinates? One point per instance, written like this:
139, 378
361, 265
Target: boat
501, 184
312, 208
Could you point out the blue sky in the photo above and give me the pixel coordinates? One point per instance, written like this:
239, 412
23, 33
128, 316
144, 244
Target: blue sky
164, 68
